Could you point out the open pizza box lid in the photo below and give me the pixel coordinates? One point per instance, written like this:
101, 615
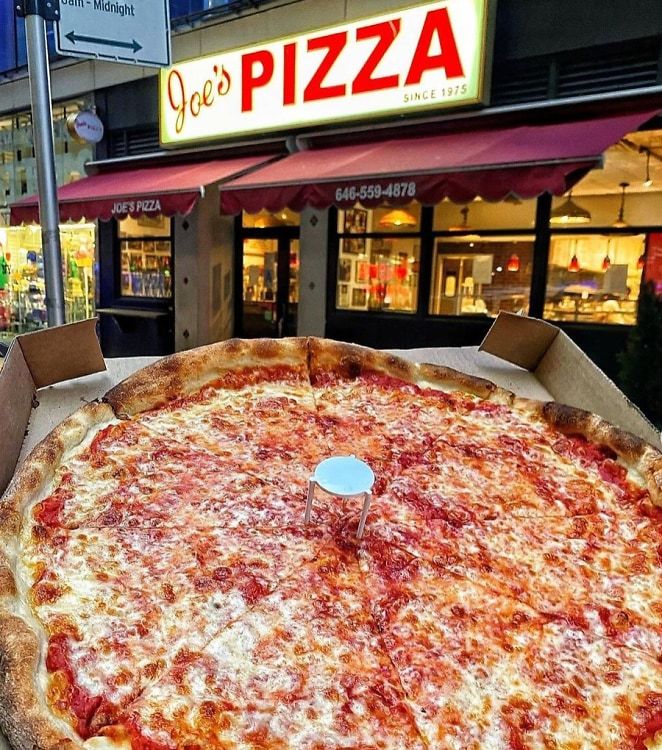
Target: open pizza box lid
54, 370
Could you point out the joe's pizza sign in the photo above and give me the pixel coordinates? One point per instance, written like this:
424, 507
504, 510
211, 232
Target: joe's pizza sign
425, 57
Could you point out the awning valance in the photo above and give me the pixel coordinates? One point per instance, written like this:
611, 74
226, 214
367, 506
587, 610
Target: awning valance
525, 161
167, 189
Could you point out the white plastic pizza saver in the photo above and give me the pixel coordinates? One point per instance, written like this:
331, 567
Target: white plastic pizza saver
345, 476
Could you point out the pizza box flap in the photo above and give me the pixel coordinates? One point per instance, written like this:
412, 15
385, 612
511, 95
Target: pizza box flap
35, 360
569, 375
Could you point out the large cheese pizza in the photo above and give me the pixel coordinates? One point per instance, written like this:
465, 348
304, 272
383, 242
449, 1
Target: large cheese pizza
159, 588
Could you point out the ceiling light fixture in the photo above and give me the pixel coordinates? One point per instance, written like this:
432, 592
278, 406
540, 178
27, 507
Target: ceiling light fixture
620, 222
398, 218
569, 212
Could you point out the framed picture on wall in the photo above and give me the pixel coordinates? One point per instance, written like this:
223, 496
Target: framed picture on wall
344, 269
356, 221
343, 295
359, 296
362, 272
353, 247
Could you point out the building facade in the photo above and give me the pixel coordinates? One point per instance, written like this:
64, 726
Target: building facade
376, 268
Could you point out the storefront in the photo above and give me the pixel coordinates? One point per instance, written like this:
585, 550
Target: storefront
22, 291
166, 251
392, 201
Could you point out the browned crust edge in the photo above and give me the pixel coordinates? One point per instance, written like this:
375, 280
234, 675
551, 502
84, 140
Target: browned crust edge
351, 360
186, 372
39, 466
24, 717
634, 451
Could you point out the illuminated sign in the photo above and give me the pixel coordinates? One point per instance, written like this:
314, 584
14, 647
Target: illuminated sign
402, 62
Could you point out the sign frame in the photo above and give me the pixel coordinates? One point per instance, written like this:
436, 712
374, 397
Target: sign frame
121, 25
483, 63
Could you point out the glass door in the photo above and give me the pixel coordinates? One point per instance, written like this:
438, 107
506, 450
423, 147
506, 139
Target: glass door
270, 286
260, 286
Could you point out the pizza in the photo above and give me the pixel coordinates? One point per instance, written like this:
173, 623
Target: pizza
160, 590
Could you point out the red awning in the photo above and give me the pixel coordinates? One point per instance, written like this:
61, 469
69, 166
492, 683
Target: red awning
525, 161
171, 189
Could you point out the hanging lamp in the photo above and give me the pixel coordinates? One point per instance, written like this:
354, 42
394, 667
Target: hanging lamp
513, 263
606, 261
620, 222
573, 265
569, 212
641, 262
398, 218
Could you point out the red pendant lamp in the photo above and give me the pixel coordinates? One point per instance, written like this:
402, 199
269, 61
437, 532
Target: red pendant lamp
574, 266
513, 263
641, 262
606, 262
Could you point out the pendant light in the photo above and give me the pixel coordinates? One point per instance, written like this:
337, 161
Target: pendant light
569, 212
398, 218
641, 262
606, 261
620, 222
513, 263
574, 266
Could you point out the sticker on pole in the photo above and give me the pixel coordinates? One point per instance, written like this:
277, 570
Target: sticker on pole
135, 32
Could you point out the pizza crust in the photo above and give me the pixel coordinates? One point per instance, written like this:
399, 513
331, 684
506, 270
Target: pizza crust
186, 372
24, 715
351, 360
636, 453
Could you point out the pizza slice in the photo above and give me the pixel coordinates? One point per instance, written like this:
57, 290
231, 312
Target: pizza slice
118, 604
257, 414
304, 668
585, 569
481, 669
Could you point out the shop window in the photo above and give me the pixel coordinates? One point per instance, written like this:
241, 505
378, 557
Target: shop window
22, 289
377, 269
595, 278
511, 213
146, 257
266, 220
481, 276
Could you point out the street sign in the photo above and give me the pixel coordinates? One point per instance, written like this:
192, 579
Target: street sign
136, 32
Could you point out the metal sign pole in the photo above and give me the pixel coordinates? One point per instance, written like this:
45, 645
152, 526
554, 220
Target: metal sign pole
42, 135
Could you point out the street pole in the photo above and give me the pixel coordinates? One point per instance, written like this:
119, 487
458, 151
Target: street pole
36, 12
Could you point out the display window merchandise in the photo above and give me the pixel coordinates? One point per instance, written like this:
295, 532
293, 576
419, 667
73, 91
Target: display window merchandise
145, 257
22, 289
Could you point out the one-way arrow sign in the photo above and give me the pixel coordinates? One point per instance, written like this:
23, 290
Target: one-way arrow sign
73, 38
134, 31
